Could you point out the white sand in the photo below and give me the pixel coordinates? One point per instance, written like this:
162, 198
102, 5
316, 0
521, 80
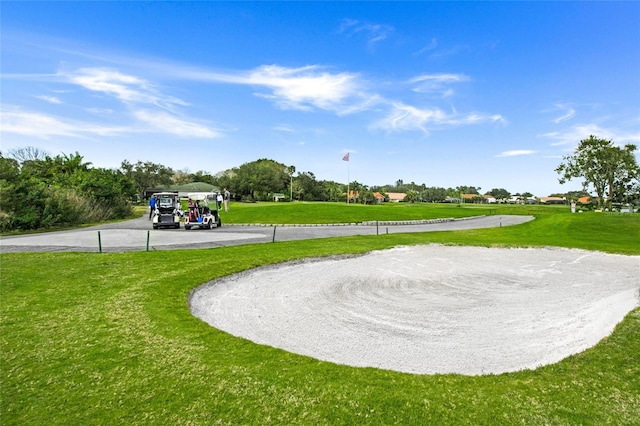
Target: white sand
430, 309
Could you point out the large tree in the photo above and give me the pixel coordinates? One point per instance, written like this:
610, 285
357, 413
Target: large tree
258, 179
500, 194
147, 175
609, 169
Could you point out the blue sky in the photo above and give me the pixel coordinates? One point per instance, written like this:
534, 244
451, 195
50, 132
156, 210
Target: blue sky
489, 94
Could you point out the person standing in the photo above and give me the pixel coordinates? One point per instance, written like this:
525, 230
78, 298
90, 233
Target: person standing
225, 199
226, 196
152, 205
219, 200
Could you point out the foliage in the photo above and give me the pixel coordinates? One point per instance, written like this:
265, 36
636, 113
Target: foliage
412, 196
612, 171
147, 175
305, 187
109, 339
51, 192
500, 194
468, 190
258, 179
434, 195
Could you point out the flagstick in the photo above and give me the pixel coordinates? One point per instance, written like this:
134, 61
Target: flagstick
348, 192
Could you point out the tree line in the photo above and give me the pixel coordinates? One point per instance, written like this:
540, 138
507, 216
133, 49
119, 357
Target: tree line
38, 190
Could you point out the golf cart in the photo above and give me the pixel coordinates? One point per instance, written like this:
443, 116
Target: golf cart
199, 213
168, 211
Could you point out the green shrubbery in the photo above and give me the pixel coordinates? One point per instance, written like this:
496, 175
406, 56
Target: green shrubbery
60, 191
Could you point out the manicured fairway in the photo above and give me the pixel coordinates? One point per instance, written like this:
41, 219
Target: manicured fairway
108, 339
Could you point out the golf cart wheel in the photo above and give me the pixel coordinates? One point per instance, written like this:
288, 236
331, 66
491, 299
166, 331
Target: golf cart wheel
218, 223
187, 227
155, 226
177, 225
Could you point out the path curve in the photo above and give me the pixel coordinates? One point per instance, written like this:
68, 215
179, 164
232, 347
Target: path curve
132, 235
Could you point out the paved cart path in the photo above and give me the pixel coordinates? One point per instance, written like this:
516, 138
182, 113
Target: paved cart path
132, 235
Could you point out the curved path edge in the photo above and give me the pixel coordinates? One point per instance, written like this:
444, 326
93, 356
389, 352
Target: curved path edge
137, 235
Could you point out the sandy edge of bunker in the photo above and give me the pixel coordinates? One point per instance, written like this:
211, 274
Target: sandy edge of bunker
429, 309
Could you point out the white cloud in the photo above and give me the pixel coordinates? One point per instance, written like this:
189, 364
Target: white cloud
567, 113
374, 33
516, 153
300, 88
440, 78
573, 135
283, 128
303, 88
44, 126
126, 88
437, 83
430, 46
168, 123
404, 117
50, 99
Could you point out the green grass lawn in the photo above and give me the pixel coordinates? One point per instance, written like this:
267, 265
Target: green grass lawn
316, 212
90, 338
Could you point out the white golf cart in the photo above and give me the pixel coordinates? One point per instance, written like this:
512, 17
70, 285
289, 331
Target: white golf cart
199, 213
168, 210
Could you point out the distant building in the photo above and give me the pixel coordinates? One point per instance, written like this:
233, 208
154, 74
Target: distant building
379, 197
553, 200
396, 197
183, 190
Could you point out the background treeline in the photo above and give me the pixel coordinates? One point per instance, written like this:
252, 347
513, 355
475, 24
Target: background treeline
38, 190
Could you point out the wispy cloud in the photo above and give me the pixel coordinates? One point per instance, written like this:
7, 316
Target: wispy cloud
136, 84
404, 117
50, 99
167, 123
36, 124
516, 153
572, 136
437, 83
303, 88
126, 88
283, 128
567, 113
428, 47
374, 33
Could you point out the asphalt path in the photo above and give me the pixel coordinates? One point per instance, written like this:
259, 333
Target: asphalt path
138, 235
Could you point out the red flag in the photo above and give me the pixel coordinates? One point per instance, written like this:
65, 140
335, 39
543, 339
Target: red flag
346, 157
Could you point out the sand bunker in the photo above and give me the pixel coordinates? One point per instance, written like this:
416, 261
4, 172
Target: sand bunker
430, 309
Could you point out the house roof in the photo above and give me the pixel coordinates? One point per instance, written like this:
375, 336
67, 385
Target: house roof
399, 196
547, 199
195, 187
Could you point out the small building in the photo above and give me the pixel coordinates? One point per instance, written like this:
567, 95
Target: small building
379, 197
553, 200
277, 196
473, 198
396, 197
